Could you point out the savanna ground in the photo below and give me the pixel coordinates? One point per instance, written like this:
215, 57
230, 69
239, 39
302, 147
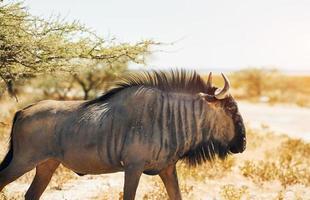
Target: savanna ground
274, 165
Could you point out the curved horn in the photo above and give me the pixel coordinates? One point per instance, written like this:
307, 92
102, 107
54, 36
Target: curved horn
209, 83
223, 93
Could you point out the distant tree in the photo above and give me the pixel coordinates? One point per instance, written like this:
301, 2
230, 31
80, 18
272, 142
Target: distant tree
30, 46
255, 81
96, 80
83, 85
55, 87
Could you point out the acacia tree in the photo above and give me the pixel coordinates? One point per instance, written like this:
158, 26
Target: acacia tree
30, 45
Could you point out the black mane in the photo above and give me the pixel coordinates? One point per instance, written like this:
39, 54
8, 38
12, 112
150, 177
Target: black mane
171, 81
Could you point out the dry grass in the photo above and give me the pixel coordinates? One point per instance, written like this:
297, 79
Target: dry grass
2, 196
205, 171
159, 192
288, 164
231, 192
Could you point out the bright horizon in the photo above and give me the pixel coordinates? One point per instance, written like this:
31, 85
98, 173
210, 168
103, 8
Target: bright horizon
218, 35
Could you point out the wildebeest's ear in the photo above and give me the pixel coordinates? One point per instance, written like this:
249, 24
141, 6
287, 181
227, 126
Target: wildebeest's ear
207, 97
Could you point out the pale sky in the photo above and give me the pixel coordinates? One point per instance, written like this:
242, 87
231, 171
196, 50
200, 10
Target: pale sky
209, 34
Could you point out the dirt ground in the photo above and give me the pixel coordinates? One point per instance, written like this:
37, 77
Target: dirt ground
268, 122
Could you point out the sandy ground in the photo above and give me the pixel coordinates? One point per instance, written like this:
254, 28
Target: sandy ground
287, 119
291, 120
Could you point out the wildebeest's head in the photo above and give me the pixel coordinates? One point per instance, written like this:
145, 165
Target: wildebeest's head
222, 99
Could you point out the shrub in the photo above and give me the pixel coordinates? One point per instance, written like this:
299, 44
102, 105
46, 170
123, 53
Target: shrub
231, 192
217, 168
2, 196
261, 84
289, 165
159, 191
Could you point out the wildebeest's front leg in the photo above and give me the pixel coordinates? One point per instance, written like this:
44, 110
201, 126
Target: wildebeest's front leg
132, 176
170, 179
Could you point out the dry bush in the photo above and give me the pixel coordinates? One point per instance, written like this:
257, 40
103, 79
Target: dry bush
256, 84
215, 169
231, 192
282, 195
289, 164
2, 196
61, 176
159, 191
258, 171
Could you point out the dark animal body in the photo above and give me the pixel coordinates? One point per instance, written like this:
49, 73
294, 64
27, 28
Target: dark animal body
145, 125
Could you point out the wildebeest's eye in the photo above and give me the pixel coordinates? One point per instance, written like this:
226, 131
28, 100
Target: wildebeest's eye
232, 109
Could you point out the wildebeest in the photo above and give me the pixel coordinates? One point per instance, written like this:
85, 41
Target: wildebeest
144, 125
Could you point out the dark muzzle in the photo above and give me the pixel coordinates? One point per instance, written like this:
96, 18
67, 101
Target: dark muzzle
238, 147
238, 144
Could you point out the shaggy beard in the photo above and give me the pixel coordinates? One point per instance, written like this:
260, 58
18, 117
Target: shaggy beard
206, 151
